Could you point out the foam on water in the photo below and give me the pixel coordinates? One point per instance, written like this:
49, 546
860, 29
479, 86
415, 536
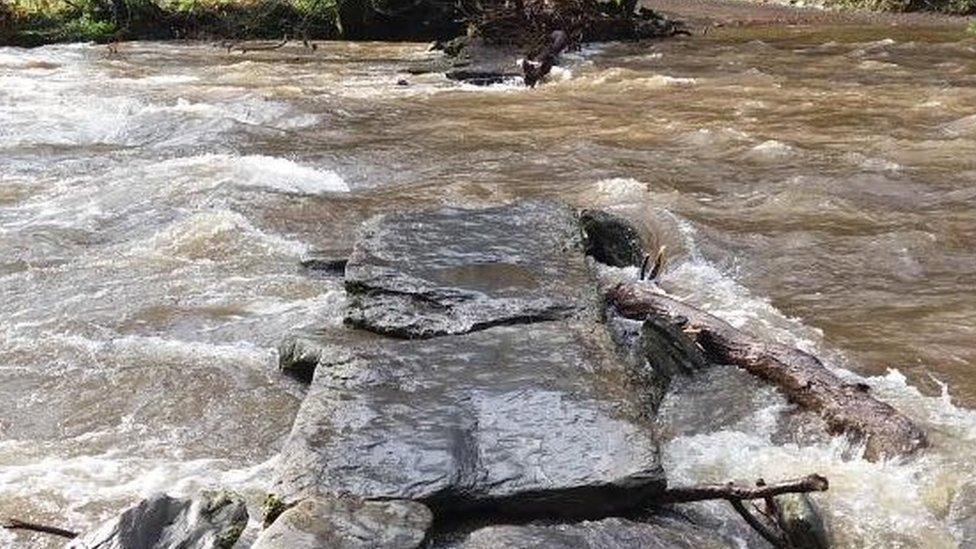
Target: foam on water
635, 79
962, 126
93, 485
67, 97
219, 235
771, 150
885, 504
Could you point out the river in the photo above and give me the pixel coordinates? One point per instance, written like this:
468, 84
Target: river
814, 185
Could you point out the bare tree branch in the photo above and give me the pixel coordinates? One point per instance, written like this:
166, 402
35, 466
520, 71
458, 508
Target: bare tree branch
733, 492
845, 407
14, 524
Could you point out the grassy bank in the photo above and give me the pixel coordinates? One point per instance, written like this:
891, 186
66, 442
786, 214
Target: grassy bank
34, 22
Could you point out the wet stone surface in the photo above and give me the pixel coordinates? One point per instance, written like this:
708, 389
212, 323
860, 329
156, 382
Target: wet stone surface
207, 521
475, 376
611, 533
454, 271
347, 523
536, 420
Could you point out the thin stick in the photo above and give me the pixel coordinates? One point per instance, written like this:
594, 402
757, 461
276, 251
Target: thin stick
14, 524
245, 49
763, 530
732, 492
643, 269
658, 264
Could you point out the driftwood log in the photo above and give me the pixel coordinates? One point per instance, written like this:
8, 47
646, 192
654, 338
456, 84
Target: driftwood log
845, 407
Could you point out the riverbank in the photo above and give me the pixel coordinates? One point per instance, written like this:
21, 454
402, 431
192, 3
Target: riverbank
813, 186
525, 24
33, 23
740, 13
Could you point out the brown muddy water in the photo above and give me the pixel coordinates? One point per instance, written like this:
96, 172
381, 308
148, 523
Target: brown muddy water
816, 186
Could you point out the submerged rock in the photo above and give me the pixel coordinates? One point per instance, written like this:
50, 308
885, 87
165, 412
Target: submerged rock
611, 533
209, 521
801, 522
454, 271
533, 420
482, 64
348, 523
611, 239
323, 265
962, 515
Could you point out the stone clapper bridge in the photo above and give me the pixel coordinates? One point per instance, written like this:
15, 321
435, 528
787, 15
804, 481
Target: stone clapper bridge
491, 389
477, 395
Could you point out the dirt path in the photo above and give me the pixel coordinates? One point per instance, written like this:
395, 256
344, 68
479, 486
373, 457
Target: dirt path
702, 13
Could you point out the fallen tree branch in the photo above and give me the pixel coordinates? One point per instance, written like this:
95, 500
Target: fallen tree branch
845, 407
735, 495
730, 491
14, 524
267, 47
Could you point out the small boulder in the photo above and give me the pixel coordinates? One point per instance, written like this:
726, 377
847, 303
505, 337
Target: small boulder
802, 523
611, 239
347, 523
484, 64
452, 271
209, 521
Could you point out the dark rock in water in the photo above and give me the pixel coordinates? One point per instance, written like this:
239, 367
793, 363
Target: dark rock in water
454, 271
482, 75
298, 357
659, 352
348, 523
665, 352
802, 523
325, 265
210, 521
611, 533
535, 420
611, 239
483, 64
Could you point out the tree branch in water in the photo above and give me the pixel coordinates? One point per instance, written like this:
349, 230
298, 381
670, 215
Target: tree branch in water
733, 492
845, 407
14, 524
774, 532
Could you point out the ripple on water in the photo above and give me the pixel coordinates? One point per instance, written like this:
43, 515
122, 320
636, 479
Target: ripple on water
869, 504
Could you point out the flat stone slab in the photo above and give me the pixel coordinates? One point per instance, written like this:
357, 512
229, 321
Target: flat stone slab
453, 271
533, 420
611, 533
348, 523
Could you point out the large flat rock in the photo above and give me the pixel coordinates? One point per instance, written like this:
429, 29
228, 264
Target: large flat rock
539, 419
611, 533
454, 271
